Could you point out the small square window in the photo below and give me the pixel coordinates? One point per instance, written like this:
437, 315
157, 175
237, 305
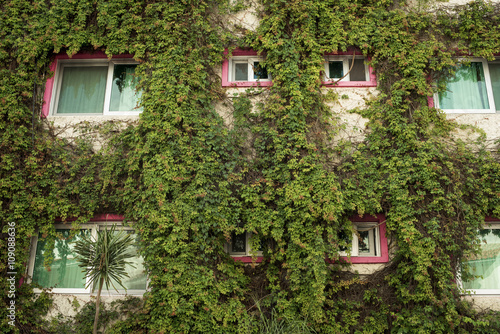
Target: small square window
365, 240
341, 68
95, 87
247, 69
240, 245
473, 88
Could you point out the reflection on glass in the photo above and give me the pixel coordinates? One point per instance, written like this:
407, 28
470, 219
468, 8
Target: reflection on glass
259, 72
364, 241
64, 271
336, 69
495, 82
124, 96
486, 264
343, 236
238, 243
137, 279
241, 72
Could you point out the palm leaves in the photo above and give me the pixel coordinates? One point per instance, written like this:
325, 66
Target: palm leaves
105, 257
103, 260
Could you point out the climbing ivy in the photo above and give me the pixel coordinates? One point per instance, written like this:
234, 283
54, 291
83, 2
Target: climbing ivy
188, 178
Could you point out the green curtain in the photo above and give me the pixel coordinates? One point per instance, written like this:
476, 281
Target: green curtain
466, 90
82, 90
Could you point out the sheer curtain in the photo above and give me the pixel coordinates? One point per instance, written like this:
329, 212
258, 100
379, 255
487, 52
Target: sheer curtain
467, 90
82, 90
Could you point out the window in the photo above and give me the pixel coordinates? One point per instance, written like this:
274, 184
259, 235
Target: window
474, 88
365, 240
65, 276
240, 245
337, 68
486, 265
92, 86
368, 241
244, 69
348, 71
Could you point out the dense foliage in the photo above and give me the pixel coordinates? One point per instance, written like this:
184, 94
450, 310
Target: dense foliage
188, 180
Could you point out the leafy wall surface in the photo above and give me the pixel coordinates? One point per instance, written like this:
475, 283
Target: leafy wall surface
188, 180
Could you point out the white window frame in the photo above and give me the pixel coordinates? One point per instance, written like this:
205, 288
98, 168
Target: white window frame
374, 231
489, 225
489, 91
345, 62
249, 60
64, 63
248, 247
93, 229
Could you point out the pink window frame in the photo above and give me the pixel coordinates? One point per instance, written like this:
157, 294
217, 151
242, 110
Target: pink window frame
104, 217
384, 247
372, 80
49, 85
225, 70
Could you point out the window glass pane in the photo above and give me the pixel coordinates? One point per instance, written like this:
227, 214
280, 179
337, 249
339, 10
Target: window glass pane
238, 243
259, 72
82, 90
466, 90
486, 263
336, 69
495, 83
137, 279
358, 72
64, 270
124, 96
241, 72
365, 241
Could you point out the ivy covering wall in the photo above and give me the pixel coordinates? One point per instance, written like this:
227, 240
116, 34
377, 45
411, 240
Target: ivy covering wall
188, 180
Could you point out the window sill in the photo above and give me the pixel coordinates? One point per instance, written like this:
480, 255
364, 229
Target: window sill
236, 84
355, 84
